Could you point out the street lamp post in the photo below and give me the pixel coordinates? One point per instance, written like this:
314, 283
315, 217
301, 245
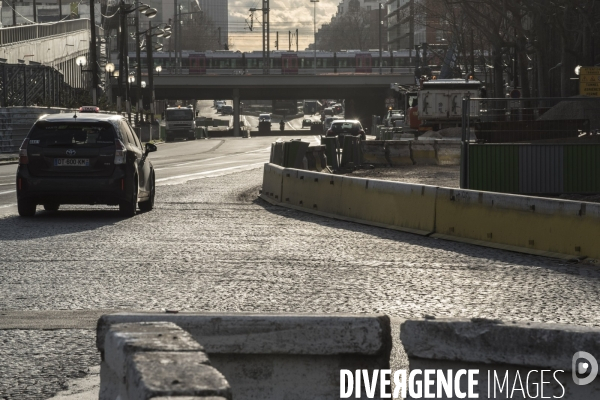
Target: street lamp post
164, 32
124, 10
315, 31
110, 69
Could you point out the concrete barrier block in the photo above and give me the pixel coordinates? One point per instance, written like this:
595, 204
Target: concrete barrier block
550, 227
143, 360
398, 153
373, 152
447, 152
500, 349
174, 374
272, 356
125, 339
312, 191
272, 183
389, 204
422, 152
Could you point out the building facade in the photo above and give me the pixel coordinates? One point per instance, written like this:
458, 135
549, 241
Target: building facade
358, 19
409, 25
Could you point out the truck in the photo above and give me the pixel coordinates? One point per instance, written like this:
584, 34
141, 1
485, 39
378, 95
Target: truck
180, 122
311, 107
440, 102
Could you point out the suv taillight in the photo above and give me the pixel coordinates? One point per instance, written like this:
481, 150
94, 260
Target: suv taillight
23, 159
120, 152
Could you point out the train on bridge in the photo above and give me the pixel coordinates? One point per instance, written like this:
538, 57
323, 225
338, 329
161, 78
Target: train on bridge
283, 62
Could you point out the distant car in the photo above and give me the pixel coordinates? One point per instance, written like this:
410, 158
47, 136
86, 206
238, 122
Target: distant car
226, 110
265, 118
346, 127
306, 122
220, 105
88, 159
328, 121
393, 116
328, 112
337, 108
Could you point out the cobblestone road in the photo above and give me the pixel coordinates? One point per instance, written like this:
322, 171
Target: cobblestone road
211, 245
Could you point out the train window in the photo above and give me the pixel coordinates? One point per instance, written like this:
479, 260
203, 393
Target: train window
275, 62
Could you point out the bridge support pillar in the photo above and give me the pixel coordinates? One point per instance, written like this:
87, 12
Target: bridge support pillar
236, 112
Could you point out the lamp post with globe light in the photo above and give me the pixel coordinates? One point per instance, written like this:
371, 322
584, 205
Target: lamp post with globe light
161, 31
110, 69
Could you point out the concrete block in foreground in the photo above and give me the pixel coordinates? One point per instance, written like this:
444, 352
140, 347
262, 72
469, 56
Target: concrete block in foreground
515, 352
276, 356
150, 359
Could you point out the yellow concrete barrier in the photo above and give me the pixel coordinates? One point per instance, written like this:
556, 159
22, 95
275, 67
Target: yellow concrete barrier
272, 183
422, 152
556, 228
387, 204
547, 227
393, 205
398, 152
312, 191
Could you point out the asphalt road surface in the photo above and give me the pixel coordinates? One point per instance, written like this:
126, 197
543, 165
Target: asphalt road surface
212, 245
206, 109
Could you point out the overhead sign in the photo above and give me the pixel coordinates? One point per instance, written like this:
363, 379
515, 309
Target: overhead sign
589, 81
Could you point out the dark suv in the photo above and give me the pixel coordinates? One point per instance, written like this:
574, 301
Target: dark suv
346, 127
84, 159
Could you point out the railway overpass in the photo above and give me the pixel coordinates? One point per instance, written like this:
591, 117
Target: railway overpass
365, 94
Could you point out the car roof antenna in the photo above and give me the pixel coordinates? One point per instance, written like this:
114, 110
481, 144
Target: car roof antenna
75, 115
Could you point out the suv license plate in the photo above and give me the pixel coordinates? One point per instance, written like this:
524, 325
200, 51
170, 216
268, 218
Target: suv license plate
71, 162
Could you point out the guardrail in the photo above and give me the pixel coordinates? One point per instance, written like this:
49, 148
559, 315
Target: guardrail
548, 227
23, 33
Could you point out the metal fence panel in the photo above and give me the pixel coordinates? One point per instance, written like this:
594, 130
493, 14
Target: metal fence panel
541, 169
494, 168
582, 168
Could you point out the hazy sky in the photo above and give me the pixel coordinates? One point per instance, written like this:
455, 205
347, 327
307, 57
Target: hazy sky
286, 15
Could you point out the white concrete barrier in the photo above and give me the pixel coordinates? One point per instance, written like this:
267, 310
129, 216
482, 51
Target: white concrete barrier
279, 356
517, 351
447, 152
153, 359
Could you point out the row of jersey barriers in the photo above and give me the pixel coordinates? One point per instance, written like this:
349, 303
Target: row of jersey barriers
331, 154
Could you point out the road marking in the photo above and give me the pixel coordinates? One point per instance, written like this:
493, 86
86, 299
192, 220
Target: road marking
8, 205
8, 176
6, 184
8, 192
259, 150
189, 162
208, 172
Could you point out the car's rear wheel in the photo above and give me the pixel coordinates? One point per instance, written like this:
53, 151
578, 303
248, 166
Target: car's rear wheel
127, 207
26, 207
148, 205
51, 207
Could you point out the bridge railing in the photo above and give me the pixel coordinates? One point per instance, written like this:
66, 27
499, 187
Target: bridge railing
17, 34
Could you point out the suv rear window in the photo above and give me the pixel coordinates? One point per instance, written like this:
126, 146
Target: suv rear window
345, 127
72, 134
